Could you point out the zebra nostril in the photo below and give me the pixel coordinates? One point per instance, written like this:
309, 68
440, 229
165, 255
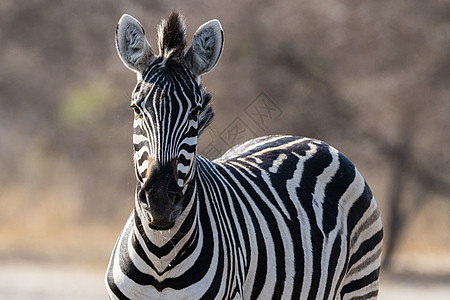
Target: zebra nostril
143, 197
174, 192
174, 197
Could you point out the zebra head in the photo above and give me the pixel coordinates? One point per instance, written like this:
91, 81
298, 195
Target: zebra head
170, 110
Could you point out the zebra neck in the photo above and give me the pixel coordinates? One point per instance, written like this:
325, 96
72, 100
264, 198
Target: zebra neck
165, 246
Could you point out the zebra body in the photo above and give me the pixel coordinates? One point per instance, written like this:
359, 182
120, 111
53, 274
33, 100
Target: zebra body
278, 217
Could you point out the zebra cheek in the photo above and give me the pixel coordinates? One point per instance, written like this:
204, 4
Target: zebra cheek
180, 176
180, 183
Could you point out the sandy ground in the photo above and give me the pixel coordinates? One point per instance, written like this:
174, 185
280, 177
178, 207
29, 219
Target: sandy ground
28, 281
25, 280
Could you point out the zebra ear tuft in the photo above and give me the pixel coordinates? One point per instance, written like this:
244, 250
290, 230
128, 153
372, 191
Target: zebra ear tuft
206, 48
131, 44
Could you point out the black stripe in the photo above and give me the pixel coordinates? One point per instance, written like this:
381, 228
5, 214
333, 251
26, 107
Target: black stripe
279, 142
239, 213
166, 248
139, 131
110, 278
217, 280
262, 257
369, 295
183, 160
334, 191
332, 266
313, 167
360, 283
271, 223
143, 158
366, 247
279, 180
358, 208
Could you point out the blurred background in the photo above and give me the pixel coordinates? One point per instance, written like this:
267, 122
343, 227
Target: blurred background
371, 78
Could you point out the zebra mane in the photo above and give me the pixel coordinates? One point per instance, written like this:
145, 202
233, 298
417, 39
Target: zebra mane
171, 38
206, 114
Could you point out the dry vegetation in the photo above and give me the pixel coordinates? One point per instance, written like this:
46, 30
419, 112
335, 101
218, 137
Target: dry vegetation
369, 77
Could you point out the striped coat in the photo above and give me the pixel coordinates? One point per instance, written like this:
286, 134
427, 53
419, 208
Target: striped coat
276, 217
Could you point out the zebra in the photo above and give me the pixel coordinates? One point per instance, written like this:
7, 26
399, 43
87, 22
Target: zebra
276, 217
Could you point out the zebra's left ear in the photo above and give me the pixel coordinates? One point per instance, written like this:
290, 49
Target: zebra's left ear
206, 48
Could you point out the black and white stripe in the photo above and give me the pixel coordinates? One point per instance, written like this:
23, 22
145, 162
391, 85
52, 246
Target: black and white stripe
166, 129
278, 217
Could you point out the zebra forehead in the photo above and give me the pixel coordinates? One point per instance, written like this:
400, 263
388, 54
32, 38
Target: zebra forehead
167, 82
163, 92
159, 71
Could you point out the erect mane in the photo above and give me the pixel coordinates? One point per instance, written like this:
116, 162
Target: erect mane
171, 38
172, 42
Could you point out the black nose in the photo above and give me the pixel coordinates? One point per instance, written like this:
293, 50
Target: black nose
161, 196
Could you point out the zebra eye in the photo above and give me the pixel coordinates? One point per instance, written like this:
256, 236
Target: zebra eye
194, 112
136, 109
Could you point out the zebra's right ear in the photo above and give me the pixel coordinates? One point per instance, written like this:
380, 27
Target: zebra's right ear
131, 44
206, 48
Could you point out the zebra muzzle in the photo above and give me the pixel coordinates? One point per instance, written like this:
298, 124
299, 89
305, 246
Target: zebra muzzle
161, 198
